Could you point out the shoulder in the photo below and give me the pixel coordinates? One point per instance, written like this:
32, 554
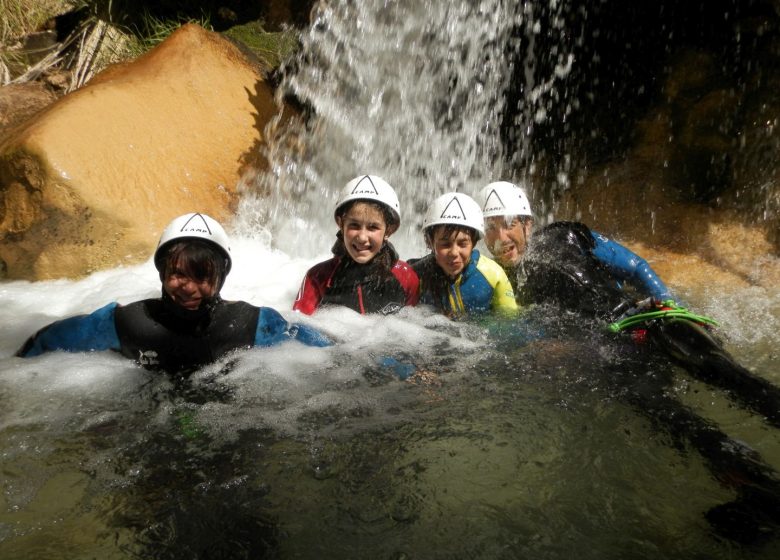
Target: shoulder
490, 269
270, 318
237, 308
420, 265
565, 227
403, 270
323, 270
560, 237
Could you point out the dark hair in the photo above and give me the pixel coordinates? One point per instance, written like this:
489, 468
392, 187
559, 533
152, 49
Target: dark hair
200, 260
448, 230
432, 277
387, 214
386, 259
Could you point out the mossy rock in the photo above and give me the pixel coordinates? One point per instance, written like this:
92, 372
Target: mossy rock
270, 48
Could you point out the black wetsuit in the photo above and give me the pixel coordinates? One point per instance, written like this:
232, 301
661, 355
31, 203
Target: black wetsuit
159, 334
559, 269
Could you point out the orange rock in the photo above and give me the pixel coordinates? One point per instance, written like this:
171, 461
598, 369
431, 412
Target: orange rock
91, 181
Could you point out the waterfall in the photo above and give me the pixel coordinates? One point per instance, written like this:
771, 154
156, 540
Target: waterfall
415, 92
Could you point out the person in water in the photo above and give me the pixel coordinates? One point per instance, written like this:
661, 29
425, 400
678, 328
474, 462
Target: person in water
190, 325
365, 273
454, 277
568, 265
606, 273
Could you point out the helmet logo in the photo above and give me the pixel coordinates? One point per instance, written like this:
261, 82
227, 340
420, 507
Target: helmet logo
196, 224
391, 308
453, 210
365, 189
495, 200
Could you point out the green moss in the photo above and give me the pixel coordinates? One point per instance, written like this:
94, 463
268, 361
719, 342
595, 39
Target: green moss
271, 48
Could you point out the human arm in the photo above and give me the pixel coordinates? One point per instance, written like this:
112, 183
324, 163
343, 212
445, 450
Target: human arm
308, 298
314, 286
629, 266
83, 333
273, 329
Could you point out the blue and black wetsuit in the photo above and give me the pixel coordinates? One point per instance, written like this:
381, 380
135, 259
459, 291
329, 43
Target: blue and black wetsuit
482, 287
568, 264
158, 334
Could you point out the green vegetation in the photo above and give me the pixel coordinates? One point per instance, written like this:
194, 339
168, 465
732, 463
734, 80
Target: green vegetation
271, 48
150, 31
108, 31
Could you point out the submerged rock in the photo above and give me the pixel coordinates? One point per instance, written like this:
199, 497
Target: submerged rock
90, 182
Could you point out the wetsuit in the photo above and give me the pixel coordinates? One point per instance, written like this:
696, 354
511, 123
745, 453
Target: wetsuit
577, 268
365, 288
562, 267
482, 286
159, 334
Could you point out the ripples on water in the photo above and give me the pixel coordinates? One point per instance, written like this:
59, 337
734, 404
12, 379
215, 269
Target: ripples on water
523, 449
516, 447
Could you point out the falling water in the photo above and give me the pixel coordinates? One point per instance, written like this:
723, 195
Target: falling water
525, 450
412, 91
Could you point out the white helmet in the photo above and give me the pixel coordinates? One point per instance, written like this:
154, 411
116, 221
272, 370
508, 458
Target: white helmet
457, 209
373, 189
504, 199
193, 226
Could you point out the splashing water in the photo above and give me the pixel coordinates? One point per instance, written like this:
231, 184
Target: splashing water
526, 451
411, 91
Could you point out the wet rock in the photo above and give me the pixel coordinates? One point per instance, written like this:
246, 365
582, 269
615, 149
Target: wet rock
90, 182
698, 192
19, 102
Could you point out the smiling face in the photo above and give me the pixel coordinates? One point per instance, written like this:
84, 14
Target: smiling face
507, 238
184, 289
364, 229
452, 248
193, 272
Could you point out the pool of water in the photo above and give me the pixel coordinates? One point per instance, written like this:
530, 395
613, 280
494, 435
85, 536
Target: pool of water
513, 447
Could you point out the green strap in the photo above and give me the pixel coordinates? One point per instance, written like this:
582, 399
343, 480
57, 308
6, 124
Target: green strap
676, 311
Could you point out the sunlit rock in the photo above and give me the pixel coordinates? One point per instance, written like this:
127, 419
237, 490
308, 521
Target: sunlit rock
91, 181
18, 102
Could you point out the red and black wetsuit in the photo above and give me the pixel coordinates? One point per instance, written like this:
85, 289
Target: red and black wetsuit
366, 288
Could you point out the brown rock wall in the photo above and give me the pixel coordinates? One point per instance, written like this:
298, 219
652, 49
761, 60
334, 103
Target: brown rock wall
91, 181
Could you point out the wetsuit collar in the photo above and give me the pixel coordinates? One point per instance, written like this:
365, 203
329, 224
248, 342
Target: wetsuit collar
189, 319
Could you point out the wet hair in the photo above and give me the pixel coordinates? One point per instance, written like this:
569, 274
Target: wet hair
389, 217
431, 275
385, 258
200, 260
448, 231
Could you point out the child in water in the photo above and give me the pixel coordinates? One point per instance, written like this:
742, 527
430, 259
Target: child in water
455, 278
365, 273
190, 325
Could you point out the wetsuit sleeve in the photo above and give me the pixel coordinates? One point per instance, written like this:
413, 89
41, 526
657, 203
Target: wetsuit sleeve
314, 286
273, 329
309, 296
503, 300
629, 266
83, 333
409, 281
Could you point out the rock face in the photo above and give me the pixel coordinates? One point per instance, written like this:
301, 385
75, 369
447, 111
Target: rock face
700, 178
92, 180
